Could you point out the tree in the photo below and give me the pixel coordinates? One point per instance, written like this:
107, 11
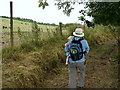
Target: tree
106, 13
103, 12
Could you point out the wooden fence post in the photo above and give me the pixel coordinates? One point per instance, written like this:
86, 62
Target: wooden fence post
11, 23
60, 24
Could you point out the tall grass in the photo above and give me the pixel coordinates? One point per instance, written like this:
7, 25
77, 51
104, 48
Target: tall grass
71, 27
31, 61
97, 36
27, 64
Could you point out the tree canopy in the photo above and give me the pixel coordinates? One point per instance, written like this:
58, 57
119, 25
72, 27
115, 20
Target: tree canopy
106, 13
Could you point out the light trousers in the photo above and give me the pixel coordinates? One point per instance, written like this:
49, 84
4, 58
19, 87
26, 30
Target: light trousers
76, 70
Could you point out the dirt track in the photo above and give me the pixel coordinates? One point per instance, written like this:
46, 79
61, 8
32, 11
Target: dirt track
101, 69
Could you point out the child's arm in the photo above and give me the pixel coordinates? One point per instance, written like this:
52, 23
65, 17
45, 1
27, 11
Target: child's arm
67, 48
67, 60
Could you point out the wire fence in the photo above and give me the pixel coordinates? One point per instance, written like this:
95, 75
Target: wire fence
17, 30
26, 31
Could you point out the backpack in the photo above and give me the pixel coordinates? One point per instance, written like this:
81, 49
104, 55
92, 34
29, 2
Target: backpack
76, 50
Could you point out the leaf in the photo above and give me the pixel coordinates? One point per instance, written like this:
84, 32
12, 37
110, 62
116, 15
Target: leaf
45, 3
81, 18
41, 4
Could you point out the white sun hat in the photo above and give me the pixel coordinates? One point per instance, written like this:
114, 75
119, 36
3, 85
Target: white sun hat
78, 32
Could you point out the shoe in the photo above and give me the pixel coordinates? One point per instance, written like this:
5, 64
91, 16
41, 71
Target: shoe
80, 87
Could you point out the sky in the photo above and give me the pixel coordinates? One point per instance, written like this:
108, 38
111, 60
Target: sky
29, 9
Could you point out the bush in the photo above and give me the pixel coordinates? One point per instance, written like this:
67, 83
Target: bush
98, 35
27, 47
71, 28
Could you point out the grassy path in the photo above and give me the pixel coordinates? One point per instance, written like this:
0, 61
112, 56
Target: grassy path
101, 69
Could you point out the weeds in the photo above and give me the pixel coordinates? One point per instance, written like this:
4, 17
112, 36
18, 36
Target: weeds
19, 33
32, 60
97, 36
35, 31
71, 28
36, 57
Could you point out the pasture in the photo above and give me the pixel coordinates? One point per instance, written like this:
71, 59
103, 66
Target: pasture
23, 30
24, 26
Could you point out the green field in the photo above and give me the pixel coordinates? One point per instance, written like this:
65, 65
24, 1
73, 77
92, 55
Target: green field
25, 28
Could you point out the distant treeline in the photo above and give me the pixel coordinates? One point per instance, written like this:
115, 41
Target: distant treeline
28, 20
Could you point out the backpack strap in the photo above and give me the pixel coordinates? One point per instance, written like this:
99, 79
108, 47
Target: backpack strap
79, 41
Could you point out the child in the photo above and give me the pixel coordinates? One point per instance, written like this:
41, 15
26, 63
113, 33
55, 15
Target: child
66, 44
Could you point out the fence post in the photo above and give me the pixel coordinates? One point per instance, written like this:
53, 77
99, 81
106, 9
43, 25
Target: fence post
60, 24
11, 23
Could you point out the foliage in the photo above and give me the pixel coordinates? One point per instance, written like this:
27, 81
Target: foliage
43, 4
105, 12
108, 14
66, 6
19, 33
31, 61
35, 31
98, 36
71, 27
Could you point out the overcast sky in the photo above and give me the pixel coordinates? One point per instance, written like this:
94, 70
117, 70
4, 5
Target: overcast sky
29, 9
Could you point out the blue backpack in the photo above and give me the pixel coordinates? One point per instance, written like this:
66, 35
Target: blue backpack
76, 50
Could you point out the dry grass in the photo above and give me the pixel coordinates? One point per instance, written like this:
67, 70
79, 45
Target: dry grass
23, 67
27, 65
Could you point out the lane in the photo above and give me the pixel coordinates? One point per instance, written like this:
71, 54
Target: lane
99, 68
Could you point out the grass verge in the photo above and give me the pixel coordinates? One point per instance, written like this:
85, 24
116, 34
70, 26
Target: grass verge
27, 65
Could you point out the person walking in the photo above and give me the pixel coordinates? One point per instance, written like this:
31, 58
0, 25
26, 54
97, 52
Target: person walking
77, 49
